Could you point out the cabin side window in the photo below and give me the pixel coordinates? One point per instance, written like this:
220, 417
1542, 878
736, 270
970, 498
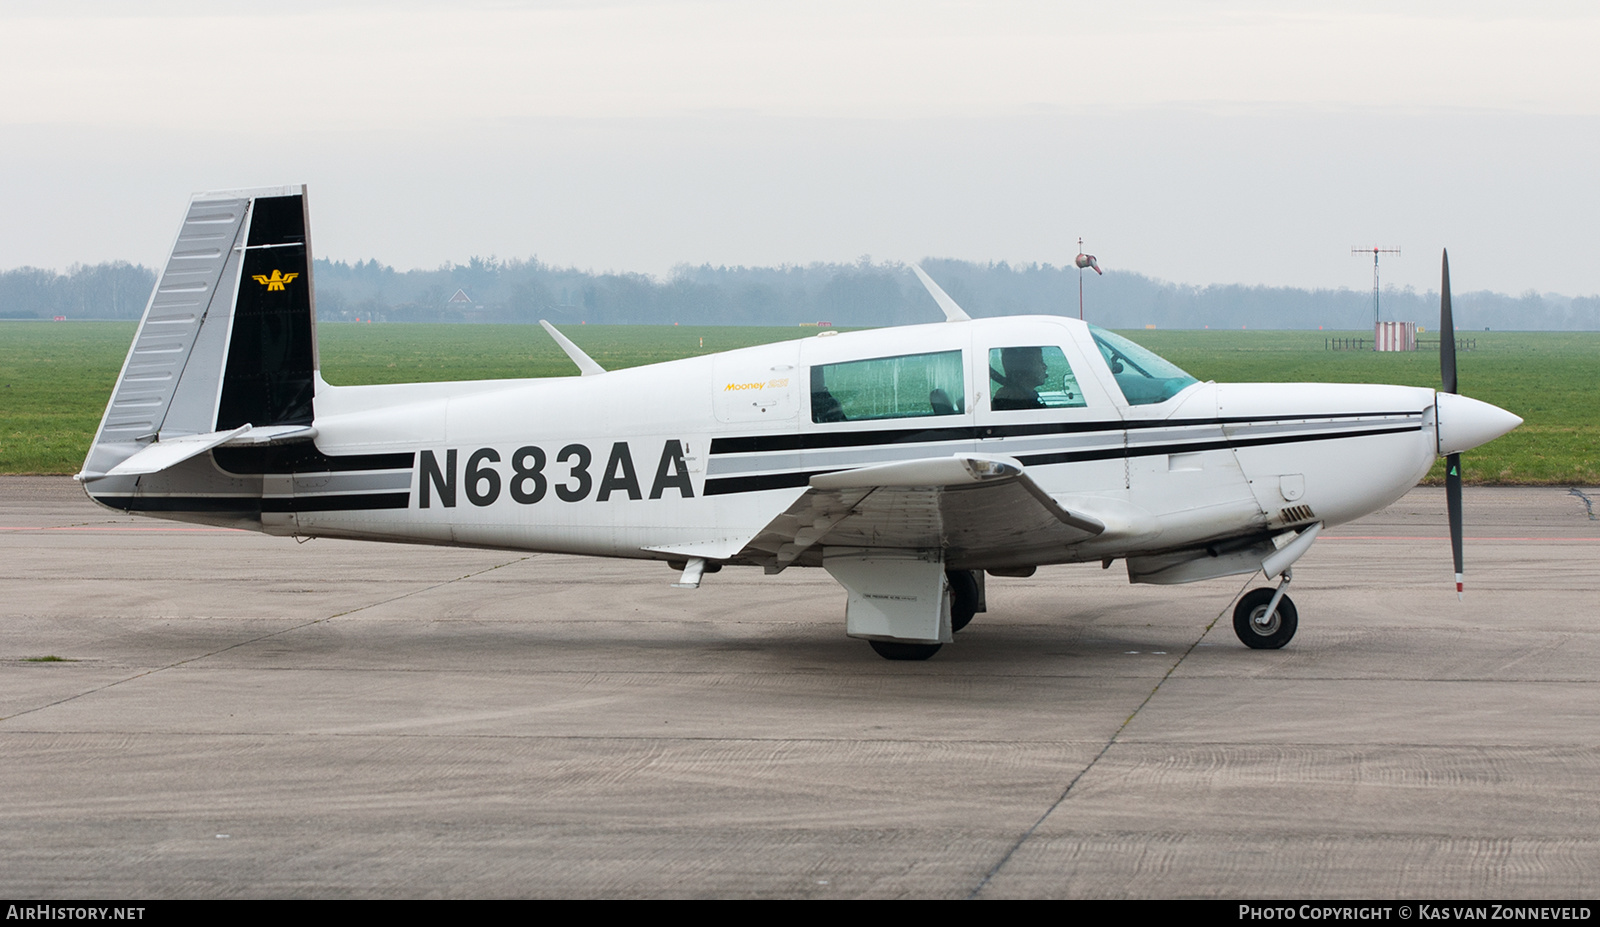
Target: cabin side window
908, 386
1030, 377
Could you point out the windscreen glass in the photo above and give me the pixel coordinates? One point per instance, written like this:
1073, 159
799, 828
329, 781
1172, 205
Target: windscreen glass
1144, 377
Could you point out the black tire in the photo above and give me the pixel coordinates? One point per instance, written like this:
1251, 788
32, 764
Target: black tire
963, 598
1279, 631
897, 650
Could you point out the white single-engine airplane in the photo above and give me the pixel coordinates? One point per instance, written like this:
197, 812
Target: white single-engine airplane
907, 462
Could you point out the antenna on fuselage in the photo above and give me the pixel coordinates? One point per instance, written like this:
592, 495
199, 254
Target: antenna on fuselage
952, 312
586, 364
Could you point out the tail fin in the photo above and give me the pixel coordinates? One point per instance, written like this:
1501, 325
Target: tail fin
227, 345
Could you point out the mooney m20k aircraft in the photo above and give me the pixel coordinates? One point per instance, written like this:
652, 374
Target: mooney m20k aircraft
907, 462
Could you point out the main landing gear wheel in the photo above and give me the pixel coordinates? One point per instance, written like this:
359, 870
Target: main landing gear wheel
963, 597
1257, 629
896, 650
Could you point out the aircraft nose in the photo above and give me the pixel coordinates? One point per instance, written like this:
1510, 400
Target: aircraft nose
1465, 423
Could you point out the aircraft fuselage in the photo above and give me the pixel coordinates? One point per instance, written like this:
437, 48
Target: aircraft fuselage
676, 453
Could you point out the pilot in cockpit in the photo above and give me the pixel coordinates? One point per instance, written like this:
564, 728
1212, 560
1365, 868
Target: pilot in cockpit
1019, 382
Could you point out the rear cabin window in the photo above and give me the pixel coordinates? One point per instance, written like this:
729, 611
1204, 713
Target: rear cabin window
908, 386
1032, 378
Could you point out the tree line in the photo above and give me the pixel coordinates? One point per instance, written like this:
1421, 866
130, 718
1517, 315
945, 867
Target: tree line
114, 290
864, 293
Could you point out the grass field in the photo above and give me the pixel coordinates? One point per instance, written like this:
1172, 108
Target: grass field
55, 377
1551, 379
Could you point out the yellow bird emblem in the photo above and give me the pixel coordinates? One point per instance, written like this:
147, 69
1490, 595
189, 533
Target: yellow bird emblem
276, 281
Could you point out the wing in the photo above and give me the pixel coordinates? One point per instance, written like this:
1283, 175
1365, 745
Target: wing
261, 278
979, 509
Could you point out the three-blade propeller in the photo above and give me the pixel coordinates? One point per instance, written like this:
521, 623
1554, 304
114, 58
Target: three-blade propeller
1447, 378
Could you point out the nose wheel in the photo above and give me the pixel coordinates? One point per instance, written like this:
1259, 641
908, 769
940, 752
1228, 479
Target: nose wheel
1259, 625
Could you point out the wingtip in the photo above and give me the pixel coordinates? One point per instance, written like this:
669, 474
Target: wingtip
586, 364
952, 311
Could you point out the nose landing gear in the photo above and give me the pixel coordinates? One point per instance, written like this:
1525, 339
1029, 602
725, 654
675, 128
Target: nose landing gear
1265, 619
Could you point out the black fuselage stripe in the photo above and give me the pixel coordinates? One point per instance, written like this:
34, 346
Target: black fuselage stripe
304, 458
754, 444
254, 506
347, 502
729, 485
739, 484
211, 505
1198, 446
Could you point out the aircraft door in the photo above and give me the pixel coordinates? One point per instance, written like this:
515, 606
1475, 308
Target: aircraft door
1028, 377
1038, 407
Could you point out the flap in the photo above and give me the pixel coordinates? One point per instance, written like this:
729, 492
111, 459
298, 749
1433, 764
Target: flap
976, 508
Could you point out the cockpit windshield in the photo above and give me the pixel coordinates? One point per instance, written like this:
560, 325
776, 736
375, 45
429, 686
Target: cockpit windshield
1144, 377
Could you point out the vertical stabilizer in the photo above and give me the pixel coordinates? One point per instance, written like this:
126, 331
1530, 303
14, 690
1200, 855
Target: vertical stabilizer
229, 336
271, 371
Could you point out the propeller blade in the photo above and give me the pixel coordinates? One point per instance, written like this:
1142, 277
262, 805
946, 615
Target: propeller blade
1447, 378
1447, 331
1452, 499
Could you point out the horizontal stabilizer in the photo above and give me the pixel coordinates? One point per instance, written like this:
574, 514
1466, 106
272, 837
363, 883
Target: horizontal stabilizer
272, 434
169, 453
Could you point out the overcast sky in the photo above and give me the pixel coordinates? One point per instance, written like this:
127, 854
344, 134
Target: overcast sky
1226, 142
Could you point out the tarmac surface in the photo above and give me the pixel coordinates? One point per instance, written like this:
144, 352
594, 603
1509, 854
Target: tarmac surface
234, 715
